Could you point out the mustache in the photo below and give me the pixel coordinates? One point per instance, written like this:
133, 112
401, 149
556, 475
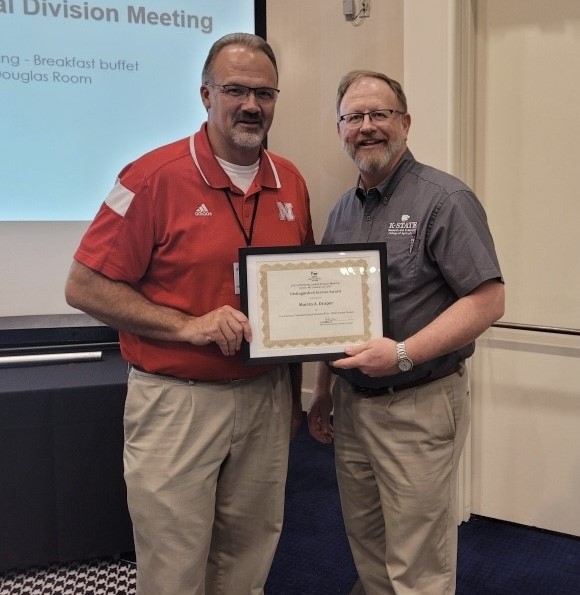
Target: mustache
245, 116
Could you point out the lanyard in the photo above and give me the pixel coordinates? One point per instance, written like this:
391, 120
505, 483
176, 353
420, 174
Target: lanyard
247, 237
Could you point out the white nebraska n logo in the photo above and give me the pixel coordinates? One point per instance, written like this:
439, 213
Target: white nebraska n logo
285, 210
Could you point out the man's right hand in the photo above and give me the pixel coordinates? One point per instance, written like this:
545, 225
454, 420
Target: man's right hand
225, 326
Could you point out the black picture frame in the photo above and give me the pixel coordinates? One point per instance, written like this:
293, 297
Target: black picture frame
264, 273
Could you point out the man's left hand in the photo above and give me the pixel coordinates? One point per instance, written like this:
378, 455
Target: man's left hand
377, 357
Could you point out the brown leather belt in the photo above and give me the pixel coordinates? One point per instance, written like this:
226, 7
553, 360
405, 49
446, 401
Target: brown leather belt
383, 390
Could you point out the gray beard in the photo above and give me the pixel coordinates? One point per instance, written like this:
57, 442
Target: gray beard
375, 162
247, 140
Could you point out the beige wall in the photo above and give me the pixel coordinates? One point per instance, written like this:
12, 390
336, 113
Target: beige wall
528, 147
527, 384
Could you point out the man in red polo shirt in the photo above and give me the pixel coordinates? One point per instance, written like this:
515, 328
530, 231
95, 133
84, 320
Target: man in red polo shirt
206, 437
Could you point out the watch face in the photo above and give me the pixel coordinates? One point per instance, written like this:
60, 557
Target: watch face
405, 365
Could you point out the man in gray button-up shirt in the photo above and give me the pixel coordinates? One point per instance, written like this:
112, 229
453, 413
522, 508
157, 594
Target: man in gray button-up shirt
401, 403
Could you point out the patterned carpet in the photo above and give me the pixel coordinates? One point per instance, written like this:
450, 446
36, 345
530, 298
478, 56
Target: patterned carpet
97, 577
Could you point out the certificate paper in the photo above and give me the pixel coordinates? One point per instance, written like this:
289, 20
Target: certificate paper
309, 303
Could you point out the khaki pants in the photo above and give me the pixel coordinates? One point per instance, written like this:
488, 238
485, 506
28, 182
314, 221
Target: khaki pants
396, 463
205, 468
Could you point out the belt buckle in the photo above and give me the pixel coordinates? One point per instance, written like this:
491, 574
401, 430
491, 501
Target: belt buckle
374, 392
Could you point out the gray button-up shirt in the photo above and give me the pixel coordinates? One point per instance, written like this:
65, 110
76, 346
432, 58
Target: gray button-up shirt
439, 248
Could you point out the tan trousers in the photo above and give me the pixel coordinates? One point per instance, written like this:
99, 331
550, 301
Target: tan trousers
205, 468
396, 463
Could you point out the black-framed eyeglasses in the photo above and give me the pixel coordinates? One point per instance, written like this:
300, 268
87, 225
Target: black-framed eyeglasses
262, 94
377, 116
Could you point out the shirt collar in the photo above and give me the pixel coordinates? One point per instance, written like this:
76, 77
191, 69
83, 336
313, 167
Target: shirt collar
384, 186
214, 175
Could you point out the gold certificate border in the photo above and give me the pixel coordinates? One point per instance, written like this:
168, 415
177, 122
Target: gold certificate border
359, 263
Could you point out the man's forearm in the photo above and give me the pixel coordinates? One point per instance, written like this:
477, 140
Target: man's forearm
460, 324
322, 379
121, 307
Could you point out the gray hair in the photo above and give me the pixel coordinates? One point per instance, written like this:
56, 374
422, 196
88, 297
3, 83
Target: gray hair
354, 75
246, 39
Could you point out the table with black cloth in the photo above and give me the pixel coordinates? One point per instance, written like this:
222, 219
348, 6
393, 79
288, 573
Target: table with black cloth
62, 493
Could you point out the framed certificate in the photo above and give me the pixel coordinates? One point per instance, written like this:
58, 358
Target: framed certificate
307, 303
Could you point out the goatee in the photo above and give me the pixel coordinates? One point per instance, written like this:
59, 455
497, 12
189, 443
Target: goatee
247, 140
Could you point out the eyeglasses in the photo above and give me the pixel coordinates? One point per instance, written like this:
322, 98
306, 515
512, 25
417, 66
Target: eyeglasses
262, 94
377, 116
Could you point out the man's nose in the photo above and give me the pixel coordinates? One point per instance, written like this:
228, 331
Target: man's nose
251, 101
367, 122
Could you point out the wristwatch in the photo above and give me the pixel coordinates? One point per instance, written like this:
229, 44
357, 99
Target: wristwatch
403, 361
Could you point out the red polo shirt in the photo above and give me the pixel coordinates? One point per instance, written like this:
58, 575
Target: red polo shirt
168, 229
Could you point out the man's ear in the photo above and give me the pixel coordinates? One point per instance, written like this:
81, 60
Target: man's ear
406, 123
204, 92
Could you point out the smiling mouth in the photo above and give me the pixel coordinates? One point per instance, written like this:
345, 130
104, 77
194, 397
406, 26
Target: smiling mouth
369, 143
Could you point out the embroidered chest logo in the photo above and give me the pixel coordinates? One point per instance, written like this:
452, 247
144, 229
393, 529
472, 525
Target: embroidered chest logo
285, 211
404, 227
203, 211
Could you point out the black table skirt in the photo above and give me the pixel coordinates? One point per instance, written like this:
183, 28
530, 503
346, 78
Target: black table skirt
62, 493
